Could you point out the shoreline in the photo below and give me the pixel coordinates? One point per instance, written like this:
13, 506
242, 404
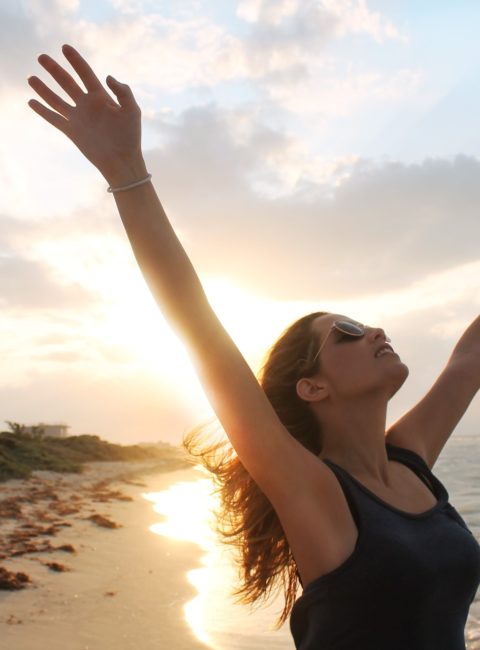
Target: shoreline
99, 577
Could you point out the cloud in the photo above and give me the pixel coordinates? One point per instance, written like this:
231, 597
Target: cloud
326, 94
168, 52
169, 55
19, 45
287, 41
26, 29
384, 226
347, 227
355, 17
284, 46
281, 40
88, 350
27, 284
290, 59
348, 16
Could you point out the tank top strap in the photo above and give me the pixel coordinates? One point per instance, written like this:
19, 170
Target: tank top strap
351, 492
419, 466
409, 456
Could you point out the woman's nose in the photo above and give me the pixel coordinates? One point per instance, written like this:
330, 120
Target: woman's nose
378, 332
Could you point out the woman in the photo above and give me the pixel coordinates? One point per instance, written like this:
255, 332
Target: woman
316, 489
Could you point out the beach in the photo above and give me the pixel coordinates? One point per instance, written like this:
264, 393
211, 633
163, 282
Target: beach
98, 578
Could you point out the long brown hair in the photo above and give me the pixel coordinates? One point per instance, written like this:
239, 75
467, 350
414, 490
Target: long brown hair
246, 519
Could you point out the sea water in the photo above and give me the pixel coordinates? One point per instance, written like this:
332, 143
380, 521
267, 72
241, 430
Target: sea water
224, 625
458, 468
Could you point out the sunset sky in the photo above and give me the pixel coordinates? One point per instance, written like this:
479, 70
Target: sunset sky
312, 155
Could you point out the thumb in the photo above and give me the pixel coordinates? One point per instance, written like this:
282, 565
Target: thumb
122, 92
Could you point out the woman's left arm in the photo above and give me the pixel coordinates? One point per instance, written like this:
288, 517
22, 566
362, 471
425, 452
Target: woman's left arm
466, 354
427, 427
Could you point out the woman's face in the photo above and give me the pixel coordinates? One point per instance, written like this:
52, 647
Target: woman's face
352, 365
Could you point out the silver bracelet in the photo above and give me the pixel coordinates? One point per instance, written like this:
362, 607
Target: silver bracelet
127, 187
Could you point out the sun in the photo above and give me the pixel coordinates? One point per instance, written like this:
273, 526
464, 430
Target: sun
133, 321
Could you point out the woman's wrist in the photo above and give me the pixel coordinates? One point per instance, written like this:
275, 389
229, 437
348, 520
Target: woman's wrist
130, 186
125, 171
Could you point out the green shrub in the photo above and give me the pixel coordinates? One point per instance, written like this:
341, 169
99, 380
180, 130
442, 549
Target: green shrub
20, 453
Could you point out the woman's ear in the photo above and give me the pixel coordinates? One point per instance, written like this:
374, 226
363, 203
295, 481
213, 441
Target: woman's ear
311, 390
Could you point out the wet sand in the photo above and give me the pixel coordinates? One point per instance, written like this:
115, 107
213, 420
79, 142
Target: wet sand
98, 578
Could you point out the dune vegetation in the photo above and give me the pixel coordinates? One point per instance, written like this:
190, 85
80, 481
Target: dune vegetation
21, 453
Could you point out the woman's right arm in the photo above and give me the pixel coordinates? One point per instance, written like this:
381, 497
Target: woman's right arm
109, 135
255, 431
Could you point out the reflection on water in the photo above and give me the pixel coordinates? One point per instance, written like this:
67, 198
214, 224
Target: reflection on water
187, 508
213, 615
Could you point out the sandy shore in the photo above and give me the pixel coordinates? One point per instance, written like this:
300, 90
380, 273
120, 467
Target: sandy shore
93, 587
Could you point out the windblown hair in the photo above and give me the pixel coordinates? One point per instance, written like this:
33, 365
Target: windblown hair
246, 519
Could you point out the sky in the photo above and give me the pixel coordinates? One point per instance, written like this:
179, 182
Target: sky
312, 155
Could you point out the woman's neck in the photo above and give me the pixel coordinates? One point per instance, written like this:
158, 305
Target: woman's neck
354, 439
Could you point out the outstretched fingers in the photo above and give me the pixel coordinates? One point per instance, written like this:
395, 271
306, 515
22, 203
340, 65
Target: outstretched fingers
52, 99
82, 68
51, 117
123, 93
61, 76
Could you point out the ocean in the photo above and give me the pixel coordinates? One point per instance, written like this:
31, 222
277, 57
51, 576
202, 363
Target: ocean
224, 625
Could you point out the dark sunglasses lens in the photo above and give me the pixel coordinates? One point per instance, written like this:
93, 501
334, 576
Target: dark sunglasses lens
349, 328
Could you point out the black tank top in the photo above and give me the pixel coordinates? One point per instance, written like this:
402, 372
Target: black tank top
408, 584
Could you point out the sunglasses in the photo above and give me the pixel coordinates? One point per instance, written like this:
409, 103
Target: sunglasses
347, 327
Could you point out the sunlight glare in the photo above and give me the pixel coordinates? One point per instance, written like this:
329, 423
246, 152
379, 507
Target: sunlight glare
187, 507
213, 614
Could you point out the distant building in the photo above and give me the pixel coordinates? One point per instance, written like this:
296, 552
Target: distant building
55, 430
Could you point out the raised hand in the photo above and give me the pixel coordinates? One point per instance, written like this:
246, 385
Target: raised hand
106, 132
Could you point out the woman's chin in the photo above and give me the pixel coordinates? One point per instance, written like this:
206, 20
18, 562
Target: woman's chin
399, 378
